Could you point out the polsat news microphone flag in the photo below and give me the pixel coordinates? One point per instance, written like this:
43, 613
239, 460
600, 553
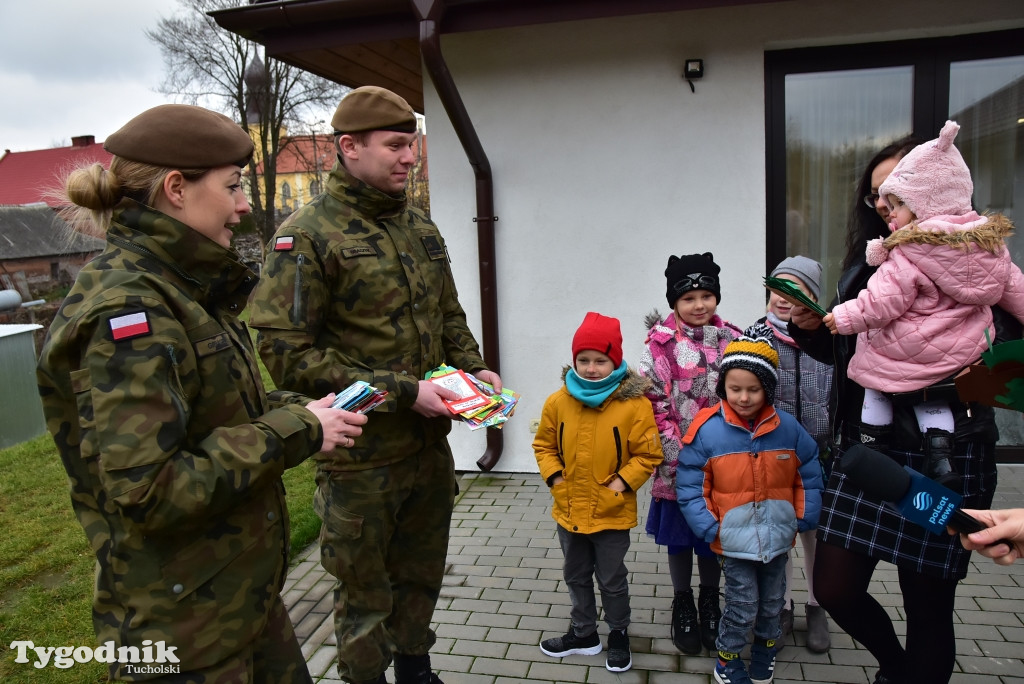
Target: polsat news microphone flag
917, 498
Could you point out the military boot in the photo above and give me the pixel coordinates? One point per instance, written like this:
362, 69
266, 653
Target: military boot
938, 463
411, 669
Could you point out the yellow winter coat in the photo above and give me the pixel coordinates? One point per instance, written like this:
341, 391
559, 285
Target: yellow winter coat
589, 447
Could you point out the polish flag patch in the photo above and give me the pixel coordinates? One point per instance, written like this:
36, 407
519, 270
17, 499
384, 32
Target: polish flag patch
129, 326
284, 243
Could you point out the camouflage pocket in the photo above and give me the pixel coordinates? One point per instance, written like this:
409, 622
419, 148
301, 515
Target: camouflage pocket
81, 385
340, 545
338, 523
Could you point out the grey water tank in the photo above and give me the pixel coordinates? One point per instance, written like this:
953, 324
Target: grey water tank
21, 411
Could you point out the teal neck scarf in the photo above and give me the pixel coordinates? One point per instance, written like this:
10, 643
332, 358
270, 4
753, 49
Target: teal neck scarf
592, 393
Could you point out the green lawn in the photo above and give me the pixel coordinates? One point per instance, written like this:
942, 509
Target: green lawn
46, 565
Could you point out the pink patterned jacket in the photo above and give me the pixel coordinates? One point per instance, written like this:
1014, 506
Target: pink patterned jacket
683, 367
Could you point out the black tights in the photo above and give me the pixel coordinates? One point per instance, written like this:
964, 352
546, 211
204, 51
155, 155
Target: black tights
841, 579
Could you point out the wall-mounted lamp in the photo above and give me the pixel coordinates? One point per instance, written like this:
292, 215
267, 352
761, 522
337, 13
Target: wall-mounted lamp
693, 69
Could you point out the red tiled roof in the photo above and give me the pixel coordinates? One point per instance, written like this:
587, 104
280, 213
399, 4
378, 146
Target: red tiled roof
25, 177
299, 155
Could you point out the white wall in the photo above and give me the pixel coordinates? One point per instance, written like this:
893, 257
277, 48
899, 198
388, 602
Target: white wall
605, 163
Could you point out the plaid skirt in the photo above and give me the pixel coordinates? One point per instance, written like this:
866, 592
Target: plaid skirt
869, 527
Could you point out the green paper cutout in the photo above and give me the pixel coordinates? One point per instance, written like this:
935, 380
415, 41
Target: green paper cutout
789, 291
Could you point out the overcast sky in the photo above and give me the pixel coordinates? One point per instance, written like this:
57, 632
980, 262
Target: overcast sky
76, 67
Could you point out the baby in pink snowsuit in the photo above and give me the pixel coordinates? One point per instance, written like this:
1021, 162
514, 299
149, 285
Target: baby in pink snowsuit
924, 312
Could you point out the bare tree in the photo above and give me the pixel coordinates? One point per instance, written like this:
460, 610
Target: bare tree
417, 189
221, 70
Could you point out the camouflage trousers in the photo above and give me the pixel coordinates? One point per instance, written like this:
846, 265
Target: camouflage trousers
273, 658
385, 538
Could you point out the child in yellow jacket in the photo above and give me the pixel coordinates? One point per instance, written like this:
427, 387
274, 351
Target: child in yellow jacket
596, 445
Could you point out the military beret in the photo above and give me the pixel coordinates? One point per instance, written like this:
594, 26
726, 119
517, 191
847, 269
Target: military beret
181, 136
371, 108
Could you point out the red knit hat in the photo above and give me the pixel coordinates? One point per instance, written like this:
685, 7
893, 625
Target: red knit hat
601, 334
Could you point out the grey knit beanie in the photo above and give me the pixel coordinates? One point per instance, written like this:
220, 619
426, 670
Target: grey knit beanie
806, 269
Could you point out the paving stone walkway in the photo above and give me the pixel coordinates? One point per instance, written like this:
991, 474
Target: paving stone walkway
503, 593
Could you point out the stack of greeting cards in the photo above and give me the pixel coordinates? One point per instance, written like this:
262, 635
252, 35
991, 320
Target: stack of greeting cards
359, 397
478, 404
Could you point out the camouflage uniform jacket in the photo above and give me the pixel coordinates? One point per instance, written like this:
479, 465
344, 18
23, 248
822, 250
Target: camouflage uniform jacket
357, 286
153, 396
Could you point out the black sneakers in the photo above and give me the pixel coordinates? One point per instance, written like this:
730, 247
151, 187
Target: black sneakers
619, 657
570, 644
685, 631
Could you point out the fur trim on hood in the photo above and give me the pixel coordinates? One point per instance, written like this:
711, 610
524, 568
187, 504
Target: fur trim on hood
632, 386
987, 232
652, 319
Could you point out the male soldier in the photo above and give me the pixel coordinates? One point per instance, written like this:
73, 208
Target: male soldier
357, 286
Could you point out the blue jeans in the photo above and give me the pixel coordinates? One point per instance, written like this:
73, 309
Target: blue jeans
754, 596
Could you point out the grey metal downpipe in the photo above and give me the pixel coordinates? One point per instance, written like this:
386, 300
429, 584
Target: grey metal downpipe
429, 13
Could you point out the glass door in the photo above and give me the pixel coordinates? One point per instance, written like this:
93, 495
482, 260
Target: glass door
986, 97
835, 123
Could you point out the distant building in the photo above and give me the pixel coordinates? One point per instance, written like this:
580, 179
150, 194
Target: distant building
38, 252
303, 165
27, 177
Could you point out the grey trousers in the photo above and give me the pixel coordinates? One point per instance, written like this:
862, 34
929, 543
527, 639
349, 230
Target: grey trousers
601, 555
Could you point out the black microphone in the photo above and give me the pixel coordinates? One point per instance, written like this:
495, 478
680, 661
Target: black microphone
917, 498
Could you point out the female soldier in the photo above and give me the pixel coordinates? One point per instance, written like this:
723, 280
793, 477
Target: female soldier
152, 394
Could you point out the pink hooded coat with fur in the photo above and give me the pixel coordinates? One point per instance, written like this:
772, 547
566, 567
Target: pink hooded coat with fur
923, 314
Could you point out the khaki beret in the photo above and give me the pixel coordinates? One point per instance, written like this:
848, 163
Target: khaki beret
371, 108
181, 136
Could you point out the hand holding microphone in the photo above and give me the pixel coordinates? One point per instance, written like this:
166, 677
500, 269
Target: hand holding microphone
1003, 540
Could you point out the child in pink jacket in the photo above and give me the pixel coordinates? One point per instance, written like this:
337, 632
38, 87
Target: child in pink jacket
924, 313
681, 357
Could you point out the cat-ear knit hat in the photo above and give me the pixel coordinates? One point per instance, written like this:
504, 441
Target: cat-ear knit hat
932, 179
752, 352
599, 333
692, 272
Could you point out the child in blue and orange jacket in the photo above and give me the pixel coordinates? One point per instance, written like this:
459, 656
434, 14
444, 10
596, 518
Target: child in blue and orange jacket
748, 480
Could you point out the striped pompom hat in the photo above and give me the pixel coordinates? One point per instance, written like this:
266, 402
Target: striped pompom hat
753, 352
